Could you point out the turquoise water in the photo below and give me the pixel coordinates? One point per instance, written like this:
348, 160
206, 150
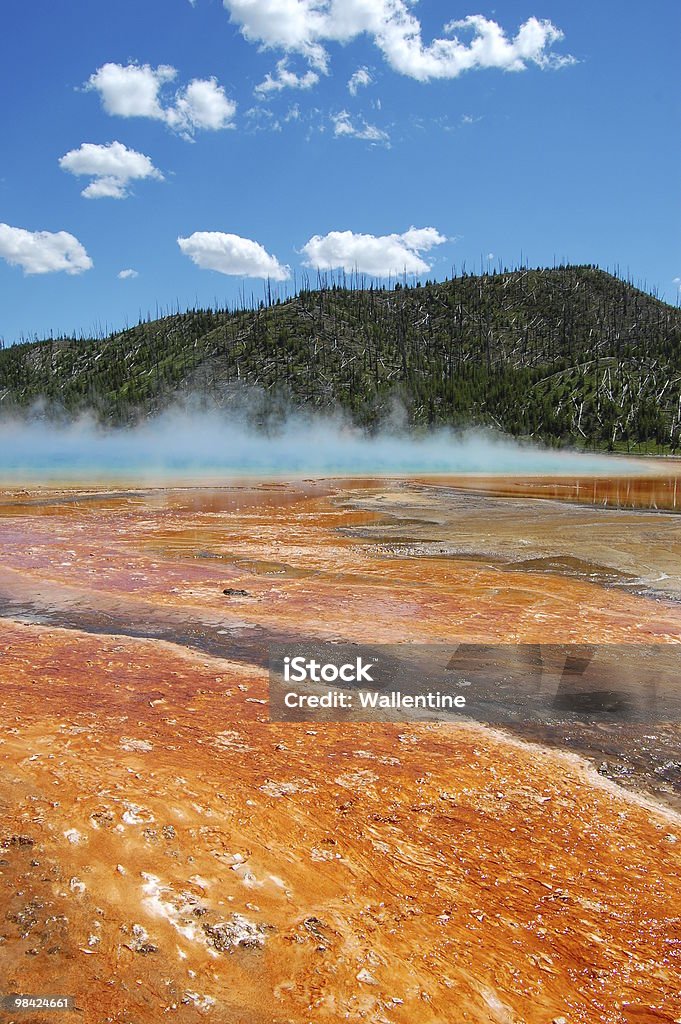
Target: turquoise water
180, 445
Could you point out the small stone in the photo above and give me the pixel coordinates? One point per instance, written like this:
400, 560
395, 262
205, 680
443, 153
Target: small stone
236, 932
16, 841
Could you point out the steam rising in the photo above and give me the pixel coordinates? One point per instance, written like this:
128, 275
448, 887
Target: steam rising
181, 445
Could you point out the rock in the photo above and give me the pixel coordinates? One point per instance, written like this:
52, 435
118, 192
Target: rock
366, 977
139, 942
146, 948
237, 932
16, 841
314, 926
27, 917
133, 745
234, 592
102, 819
202, 1002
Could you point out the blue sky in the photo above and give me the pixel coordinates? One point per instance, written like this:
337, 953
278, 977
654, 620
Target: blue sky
542, 128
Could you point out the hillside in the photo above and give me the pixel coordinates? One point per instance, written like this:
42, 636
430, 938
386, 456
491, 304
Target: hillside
568, 355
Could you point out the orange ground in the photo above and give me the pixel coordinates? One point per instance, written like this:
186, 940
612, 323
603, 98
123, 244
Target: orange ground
170, 854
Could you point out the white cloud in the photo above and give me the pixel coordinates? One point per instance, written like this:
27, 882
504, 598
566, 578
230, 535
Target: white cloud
377, 255
422, 239
305, 26
42, 252
112, 167
261, 119
232, 254
344, 125
487, 46
359, 80
203, 104
127, 274
291, 25
284, 78
135, 90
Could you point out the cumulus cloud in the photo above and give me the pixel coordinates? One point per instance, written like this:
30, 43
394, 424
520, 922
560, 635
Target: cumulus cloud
112, 168
42, 252
127, 274
232, 254
291, 25
306, 26
359, 80
137, 90
203, 104
377, 255
344, 125
284, 78
133, 90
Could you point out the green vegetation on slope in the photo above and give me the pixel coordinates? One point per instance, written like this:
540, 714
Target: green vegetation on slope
566, 355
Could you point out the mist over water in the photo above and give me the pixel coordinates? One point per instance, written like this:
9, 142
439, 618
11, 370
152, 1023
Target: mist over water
183, 445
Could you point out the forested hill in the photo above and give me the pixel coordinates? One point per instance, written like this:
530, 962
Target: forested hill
570, 354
